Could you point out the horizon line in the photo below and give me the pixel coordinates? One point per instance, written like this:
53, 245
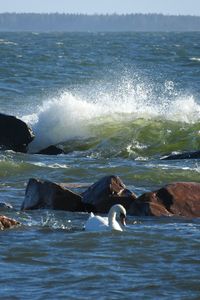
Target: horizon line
105, 14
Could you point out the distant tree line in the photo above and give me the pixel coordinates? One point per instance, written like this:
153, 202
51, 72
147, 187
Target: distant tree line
84, 23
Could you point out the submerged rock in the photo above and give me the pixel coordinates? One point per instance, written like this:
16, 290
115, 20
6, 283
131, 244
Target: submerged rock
175, 199
5, 206
51, 150
106, 192
46, 194
185, 155
6, 222
14, 134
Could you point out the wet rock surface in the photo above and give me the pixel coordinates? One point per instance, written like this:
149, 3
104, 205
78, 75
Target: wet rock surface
175, 199
6, 222
42, 194
14, 134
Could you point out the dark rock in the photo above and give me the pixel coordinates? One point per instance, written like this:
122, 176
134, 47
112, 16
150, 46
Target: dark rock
185, 155
14, 134
6, 222
51, 150
175, 199
5, 206
45, 194
105, 193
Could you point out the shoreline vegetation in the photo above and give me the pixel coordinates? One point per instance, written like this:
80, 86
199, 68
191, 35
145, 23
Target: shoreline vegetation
57, 22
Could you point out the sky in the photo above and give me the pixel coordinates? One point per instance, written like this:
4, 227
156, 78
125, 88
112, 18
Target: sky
174, 7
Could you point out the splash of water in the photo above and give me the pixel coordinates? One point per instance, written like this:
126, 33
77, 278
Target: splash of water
73, 114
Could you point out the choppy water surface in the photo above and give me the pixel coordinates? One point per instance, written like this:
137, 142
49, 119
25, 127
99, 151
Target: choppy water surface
116, 103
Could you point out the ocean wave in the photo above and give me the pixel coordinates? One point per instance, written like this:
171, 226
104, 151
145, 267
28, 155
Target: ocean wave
52, 166
12, 165
96, 111
5, 42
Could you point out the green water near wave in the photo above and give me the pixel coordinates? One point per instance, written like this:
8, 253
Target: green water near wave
138, 139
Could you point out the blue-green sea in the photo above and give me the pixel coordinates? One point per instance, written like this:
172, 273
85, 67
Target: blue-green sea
116, 103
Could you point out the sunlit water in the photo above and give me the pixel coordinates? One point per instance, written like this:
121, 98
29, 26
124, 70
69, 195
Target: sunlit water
116, 103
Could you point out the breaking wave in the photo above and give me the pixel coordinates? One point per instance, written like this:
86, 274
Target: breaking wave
110, 109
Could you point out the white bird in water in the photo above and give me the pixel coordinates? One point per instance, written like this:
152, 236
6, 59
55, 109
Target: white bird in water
98, 223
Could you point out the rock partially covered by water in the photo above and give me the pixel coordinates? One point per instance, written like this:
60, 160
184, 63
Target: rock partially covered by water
175, 199
46, 194
51, 150
5, 206
6, 222
14, 134
106, 192
185, 155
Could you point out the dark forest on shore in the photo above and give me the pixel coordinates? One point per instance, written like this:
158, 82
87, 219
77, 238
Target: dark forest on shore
45, 22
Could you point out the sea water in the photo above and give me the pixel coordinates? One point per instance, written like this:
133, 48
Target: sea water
116, 103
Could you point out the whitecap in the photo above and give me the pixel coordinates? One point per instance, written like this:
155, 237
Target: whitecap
195, 59
5, 42
53, 166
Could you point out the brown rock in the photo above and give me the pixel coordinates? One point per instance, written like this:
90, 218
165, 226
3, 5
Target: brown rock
45, 194
106, 192
6, 222
175, 199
